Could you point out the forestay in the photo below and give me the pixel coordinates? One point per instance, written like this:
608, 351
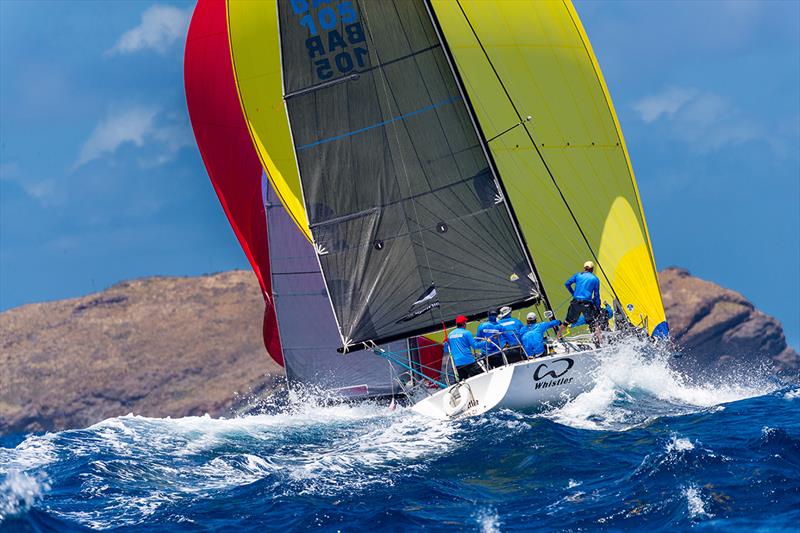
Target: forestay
408, 221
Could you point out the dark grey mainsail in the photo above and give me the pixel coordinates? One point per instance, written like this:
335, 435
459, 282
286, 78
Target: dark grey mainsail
305, 322
409, 224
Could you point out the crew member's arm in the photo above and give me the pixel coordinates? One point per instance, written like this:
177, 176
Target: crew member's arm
473, 344
596, 292
552, 324
481, 339
569, 283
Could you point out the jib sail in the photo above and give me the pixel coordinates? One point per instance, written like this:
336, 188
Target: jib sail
409, 223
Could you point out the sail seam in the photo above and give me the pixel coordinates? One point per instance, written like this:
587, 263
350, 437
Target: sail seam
379, 124
536, 147
487, 152
386, 90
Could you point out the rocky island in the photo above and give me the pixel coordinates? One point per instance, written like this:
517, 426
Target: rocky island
169, 346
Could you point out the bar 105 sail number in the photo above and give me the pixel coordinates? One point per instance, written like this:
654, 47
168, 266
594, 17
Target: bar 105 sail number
330, 49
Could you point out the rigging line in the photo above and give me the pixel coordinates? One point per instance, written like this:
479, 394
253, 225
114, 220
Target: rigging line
527, 119
536, 147
387, 92
443, 78
618, 131
540, 288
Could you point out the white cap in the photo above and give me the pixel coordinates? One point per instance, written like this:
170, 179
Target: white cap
588, 265
504, 311
531, 317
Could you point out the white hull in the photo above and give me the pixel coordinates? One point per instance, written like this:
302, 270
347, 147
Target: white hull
529, 385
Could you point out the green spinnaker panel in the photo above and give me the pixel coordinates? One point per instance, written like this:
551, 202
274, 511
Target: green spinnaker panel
520, 59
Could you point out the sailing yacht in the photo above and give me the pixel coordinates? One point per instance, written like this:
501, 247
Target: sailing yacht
436, 158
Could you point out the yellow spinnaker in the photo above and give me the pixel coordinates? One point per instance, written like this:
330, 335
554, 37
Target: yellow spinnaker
255, 50
532, 58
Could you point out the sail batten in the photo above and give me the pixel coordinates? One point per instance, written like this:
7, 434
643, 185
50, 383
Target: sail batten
400, 196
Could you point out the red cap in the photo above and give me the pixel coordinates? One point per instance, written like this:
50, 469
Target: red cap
461, 319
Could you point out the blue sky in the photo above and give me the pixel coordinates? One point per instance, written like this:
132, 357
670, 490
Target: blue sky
100, 179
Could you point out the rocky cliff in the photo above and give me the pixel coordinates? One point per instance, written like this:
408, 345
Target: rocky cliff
183, 346
155, 346
713, 324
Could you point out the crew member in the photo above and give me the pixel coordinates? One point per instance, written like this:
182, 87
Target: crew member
512, 335
459, 344
605, 314
533, 338
490, 332
585, 300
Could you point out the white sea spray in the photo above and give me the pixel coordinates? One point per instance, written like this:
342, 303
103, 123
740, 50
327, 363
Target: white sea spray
488, 521
635, 383
679, 444
694, 502
19, 491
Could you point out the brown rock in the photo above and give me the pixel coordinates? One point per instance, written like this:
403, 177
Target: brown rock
716, 324
186, 346
155, 347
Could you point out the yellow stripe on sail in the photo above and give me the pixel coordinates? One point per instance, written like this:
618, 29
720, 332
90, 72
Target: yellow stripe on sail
538, 55
255, 50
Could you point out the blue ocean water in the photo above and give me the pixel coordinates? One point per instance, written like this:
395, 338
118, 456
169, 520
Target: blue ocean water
646, 448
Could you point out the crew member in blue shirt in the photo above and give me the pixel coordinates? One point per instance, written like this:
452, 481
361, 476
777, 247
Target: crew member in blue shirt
585, 300
491, 333
459, 344
533, 338
512, 335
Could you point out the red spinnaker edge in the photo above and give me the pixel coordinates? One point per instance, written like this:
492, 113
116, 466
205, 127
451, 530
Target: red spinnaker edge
225, 145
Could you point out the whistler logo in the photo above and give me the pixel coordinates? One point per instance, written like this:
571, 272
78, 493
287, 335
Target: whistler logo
425, 302
555, 370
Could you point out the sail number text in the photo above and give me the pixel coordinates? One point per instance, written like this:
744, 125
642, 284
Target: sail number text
332, 50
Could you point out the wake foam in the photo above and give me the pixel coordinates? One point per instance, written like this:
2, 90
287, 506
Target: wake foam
635, 383
308, 444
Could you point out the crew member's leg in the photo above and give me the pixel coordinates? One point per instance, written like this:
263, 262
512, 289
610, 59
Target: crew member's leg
495, 360
515, 354
573, 314
592, 316
467, 371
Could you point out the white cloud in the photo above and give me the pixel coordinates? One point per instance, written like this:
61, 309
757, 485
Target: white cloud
667, 102
44, 191
162, 135
132, 125
159, 28
702, 119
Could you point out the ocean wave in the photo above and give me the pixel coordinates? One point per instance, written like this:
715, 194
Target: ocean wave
635, 384
618, 457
